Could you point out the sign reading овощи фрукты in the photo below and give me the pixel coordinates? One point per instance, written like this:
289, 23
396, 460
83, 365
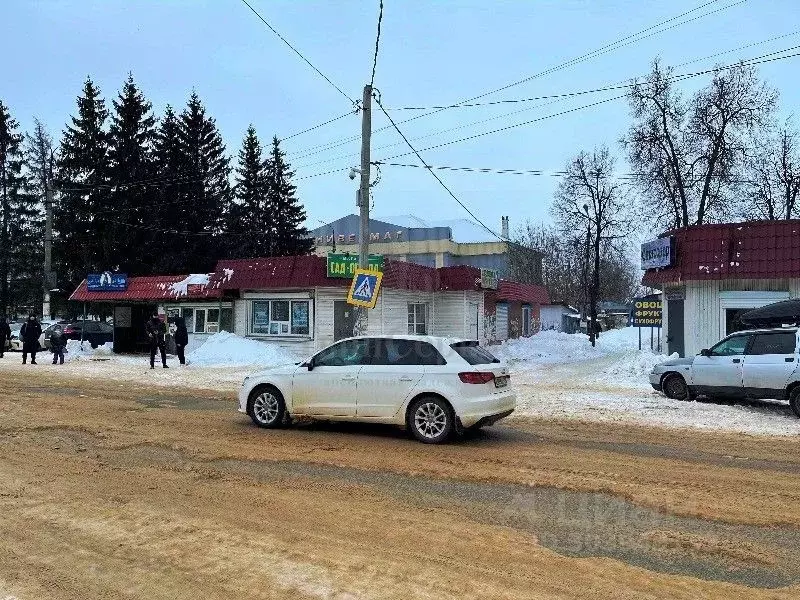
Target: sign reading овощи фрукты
647, 311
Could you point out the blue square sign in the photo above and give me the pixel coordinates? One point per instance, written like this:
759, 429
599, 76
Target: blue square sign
364, 289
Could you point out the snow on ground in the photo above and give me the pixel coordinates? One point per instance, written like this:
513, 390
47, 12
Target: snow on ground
561, 376
557, 376
227, 349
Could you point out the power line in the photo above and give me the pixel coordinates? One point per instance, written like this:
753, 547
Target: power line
296, 51
612, 87
681, 77
442, 183
630, 39
328, 122
377, 42
634, 37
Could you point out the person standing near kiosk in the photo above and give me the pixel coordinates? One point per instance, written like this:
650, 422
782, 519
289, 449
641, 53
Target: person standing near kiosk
157, 336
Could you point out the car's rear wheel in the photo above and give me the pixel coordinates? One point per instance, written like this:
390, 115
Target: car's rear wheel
794, 400
431, 420
266, 407
675, 387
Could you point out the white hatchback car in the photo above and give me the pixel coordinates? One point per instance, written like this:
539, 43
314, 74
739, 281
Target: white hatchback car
434, 386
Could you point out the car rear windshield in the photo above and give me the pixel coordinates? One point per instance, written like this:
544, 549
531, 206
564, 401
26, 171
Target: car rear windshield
473, 353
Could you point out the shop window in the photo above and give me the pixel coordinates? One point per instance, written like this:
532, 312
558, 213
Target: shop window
207, 320
418, 319
280, 317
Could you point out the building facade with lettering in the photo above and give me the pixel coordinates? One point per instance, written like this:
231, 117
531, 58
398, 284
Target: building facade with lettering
709, 275
456, 242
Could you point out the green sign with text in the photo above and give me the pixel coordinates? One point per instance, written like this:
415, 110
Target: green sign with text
344, 265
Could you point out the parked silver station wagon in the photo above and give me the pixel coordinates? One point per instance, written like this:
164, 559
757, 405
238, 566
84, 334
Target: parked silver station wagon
761, 363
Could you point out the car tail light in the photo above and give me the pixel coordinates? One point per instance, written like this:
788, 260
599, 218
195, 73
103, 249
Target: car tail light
476, 376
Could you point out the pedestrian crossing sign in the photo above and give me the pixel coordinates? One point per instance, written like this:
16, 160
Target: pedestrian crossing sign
364, 289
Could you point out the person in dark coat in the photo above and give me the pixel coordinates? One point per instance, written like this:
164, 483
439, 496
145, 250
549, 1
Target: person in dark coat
58, 341
29, 334
181, 338
5, 335
157, 335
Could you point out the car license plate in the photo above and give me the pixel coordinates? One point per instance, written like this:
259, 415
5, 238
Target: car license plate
501, 381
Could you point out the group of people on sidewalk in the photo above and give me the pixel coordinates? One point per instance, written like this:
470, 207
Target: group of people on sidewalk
157, 334
156, 329
29, 334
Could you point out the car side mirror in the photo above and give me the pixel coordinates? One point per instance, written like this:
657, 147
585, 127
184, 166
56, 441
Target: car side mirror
705, 352
310, 365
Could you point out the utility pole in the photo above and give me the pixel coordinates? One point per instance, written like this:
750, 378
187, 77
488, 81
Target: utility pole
363, 199
48, 249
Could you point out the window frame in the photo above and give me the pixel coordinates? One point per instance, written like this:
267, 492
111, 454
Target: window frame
281, 328
749, 349
368, 354
749, 340
209, 327
413, 318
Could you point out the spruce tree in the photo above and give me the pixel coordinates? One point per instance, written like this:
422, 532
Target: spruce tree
165, 250
207, 189
289, 235
131, 138
83, 212
20, 240
250, 211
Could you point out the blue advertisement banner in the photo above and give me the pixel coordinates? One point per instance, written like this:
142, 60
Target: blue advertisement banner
107, 282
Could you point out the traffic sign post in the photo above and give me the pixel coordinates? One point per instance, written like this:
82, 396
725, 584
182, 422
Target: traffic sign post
364, 289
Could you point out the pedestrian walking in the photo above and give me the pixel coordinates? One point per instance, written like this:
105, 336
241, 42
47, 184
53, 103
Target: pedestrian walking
157, 335
29, 334
58, 341
181, 338
5, 335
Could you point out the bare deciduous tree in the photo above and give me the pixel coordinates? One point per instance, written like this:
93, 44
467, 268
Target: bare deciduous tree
773, 177
686, 154
590, 203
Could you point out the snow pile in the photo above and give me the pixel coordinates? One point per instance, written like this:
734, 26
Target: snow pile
228, 349
181, 288
555, 347
77, 350
633, 368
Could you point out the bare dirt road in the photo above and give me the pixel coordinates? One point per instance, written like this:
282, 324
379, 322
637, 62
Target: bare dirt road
113, 490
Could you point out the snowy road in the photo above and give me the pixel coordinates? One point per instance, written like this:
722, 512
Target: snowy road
558, 376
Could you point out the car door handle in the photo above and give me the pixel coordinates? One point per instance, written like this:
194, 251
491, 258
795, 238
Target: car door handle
406, 379
789, 359
349, 378
736, 360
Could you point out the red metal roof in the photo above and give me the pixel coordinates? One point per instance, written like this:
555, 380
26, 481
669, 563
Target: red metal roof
303, 272
511, 291
149, 289
281, 272
753, 250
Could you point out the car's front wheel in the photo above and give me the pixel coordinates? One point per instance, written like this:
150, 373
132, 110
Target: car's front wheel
794, 401
266, 407
431, 420
675, 387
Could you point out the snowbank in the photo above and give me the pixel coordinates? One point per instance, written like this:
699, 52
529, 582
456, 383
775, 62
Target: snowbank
228, 349
77, 350
553, 347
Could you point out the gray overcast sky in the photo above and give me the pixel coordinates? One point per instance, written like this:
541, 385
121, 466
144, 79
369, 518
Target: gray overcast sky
431, 53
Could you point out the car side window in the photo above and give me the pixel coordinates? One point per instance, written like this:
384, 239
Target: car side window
407, 352
773, 343
344, 354
732, 346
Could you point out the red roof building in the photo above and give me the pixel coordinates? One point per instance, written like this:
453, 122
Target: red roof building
291, 300
717, 272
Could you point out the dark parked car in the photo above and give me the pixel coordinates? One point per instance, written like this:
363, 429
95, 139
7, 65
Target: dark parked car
95, 332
